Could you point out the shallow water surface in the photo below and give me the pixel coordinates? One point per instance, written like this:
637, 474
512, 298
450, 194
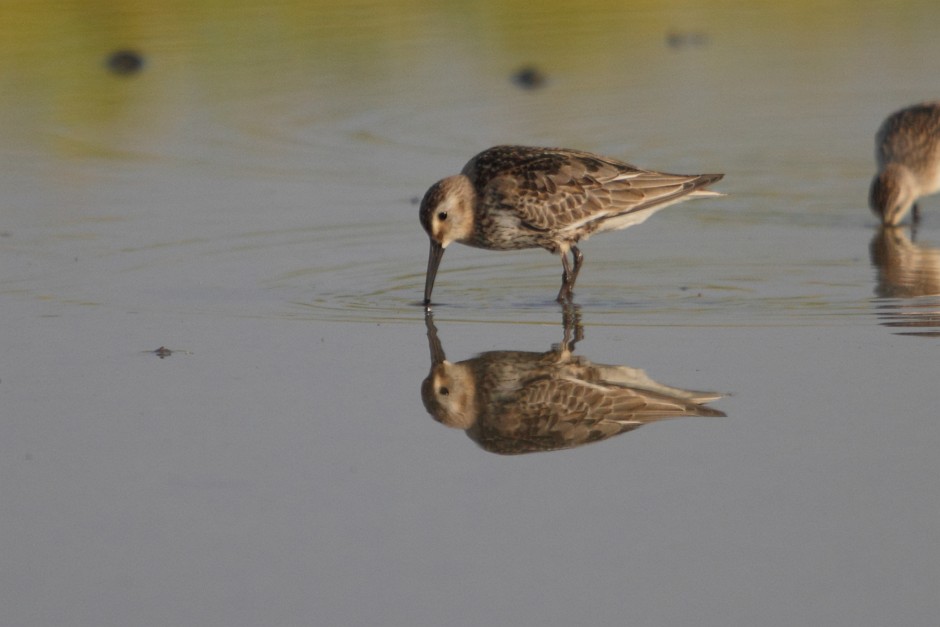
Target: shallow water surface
247, 200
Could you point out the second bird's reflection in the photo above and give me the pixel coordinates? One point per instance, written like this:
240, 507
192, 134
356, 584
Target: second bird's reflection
908, 283
905, 269
513, 402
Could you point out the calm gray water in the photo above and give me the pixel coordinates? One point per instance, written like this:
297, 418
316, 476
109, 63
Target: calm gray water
248, 201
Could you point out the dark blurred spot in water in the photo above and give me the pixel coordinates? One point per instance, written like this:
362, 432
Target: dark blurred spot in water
686, 39
529, 77
125, 62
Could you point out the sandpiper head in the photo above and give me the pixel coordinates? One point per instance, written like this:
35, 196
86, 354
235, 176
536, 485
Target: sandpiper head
447, 216
892, 193
448, 393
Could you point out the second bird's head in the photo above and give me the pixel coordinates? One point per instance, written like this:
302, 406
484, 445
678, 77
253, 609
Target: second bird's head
892, 194
447, 216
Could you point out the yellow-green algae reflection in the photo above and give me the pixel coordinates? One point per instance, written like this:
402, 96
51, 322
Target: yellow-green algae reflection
208, 56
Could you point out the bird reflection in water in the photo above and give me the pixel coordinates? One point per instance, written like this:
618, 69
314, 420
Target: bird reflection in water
513, 402
909, 277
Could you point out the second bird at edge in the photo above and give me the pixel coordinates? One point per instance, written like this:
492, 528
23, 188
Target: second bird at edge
907, 150
515, 197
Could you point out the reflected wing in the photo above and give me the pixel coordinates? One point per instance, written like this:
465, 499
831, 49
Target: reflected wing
562, 413
637, 379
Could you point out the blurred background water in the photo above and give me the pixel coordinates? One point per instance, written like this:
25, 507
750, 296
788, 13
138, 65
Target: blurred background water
247, 198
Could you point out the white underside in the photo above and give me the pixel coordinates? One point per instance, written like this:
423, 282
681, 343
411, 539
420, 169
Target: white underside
637, 217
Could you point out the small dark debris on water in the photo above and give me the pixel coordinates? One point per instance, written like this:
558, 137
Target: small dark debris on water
686, 39
125, 62
529, 77
162, 352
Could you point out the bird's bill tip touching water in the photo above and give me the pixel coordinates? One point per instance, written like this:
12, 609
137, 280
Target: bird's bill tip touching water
434, 260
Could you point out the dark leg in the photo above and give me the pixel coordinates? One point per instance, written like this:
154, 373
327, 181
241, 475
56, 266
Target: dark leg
915, 221
578, 258
564, 294
569, 275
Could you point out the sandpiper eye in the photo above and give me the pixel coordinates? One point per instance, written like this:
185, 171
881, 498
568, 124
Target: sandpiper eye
442, 215
444, 391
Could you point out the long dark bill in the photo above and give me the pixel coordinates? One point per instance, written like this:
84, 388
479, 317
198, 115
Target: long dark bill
434, 260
